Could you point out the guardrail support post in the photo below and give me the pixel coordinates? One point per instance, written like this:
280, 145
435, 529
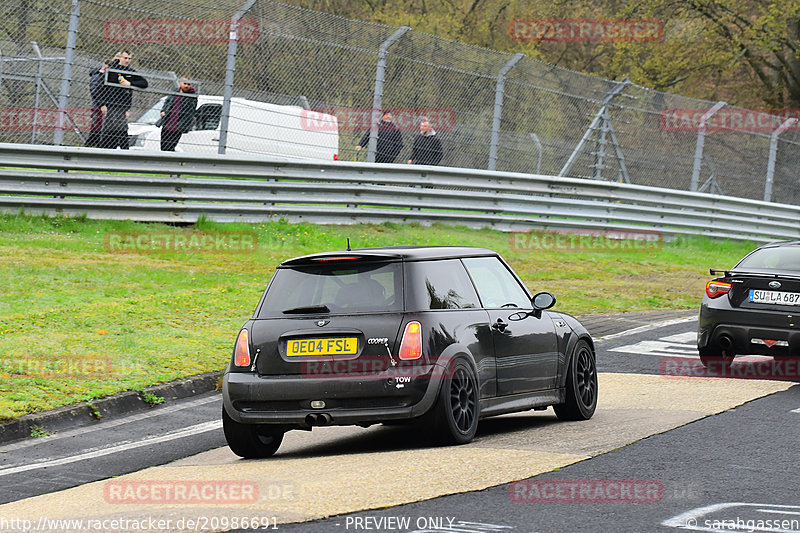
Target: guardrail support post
377, 97
66, 76
773, 149
230, 67
498, 107
701, 140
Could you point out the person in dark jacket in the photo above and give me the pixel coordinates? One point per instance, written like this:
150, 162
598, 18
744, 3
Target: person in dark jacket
390, 140
116, 99
177, 115
96, 78
427, 149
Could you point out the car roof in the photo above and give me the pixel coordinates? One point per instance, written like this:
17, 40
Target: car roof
394, 253
779, 244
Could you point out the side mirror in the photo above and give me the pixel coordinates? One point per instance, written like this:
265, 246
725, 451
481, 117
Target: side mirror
542, 301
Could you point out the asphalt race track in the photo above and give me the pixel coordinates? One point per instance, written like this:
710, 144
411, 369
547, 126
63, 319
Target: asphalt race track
668, 449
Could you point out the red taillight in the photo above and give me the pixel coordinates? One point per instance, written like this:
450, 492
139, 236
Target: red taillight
411, 346
241, 354
715, 289
335, 157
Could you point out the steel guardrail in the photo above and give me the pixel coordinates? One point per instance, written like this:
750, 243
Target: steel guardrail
180, 188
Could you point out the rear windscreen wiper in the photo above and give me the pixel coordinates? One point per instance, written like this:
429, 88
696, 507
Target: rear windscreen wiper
307, 309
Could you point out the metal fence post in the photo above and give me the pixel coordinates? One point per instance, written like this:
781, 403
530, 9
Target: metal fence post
498, 107
773, 149
230, 66
377, 97
66, 76
701, 140
38, 90
539, 148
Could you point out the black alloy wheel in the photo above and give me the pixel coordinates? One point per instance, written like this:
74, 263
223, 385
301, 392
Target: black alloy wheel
581, 385
454, 418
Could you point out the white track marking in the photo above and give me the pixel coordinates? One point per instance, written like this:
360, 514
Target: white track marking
101, 426
658, 348
649, 327
690, 337
185, 432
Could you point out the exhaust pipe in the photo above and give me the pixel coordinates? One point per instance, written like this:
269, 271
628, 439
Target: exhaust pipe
318, 419
726, 342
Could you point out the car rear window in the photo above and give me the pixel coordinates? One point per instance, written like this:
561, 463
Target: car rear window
335, 288
778, 258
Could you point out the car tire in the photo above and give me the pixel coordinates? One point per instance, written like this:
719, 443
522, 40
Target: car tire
715, 359
454, 417
581, 386
251, 441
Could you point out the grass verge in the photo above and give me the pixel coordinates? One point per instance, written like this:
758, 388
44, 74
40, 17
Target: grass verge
82, 318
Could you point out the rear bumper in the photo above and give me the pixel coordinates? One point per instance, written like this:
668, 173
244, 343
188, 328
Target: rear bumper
744, 325
253, 399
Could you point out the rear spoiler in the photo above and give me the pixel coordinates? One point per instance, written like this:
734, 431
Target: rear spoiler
727, 273
344, 256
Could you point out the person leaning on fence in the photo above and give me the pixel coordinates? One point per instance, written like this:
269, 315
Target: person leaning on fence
96, 77
427, 149
390, 140
177, 115
116, 99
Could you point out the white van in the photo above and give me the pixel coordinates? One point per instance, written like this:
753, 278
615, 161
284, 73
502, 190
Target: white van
254, 128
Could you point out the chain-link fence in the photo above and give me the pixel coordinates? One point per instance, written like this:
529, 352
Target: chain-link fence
282, 81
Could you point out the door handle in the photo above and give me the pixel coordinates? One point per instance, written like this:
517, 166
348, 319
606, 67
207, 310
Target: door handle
500, 325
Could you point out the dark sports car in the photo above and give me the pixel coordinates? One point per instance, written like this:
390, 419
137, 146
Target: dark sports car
438, 336
754, 307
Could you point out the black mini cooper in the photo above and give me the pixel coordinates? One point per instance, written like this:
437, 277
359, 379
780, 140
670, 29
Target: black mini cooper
441, 336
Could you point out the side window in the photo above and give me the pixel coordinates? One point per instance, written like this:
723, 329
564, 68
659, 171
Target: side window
207, 117
496, 286
444, 285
